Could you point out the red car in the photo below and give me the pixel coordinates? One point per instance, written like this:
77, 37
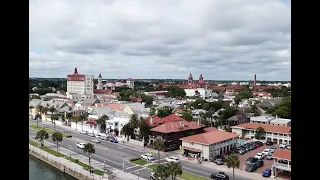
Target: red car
256, 144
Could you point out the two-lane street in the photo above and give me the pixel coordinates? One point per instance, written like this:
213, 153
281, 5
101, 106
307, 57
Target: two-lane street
113, 154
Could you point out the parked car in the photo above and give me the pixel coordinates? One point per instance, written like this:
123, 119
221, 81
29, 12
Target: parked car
273, 147
266, 151
260, 156
251, 167
219, 157
283, 145
254, 145
83, 132
219, 175
96, 140
269, 156
148, 157
259, 142
266, 172
80, 145
153, 178
218, 161
172, 159
269, 143
90, 134
259, 163
113, 141
239, 151
288, 147
251, 160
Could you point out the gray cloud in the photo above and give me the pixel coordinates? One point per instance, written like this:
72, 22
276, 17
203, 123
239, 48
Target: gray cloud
222, 39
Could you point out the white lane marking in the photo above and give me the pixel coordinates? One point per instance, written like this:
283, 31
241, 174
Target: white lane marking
108, 160
195, 170
138, 170
132, 167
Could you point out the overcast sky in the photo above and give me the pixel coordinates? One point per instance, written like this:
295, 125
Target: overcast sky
155, 39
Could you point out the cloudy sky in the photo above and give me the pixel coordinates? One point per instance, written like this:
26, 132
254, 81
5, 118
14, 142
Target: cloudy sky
222, 39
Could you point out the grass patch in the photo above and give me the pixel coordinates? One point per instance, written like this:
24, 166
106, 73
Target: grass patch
184, 175
33, 143
49, 131
139, 161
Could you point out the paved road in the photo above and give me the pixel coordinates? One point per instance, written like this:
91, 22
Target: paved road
113, 154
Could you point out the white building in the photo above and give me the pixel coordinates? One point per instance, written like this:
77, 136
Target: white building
100, 85
201, 92
261, 119
280, 122
79, 86
208, 145
276, 134
130, 83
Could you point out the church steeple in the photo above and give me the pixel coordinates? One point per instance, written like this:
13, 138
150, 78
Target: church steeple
75, 71
201, 77
190, 79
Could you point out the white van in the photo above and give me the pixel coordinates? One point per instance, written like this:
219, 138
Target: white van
103, 136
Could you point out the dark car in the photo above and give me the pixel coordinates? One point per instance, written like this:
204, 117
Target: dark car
259, 163
259, 142
239, 151
266, 173
248, 147
219, 157
251, 167
256, 144
251, 160
220, 176
269, 143
244, 148
253, 145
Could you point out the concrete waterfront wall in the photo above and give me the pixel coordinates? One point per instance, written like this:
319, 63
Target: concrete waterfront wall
64, 165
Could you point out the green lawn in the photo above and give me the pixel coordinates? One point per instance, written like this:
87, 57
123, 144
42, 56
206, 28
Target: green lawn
185, 175
139, 161
46, 129
55, 153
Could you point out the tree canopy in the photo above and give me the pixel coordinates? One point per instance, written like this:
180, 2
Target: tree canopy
175, 91
164, 111
187, 116
260, 133
282, 110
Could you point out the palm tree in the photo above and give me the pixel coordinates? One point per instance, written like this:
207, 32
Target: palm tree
76, 120
233, 162
37, 117
41, 136
127, 130
174, 169
57, 137
210, 115
40, 109
102, 122
89, 148
54, 117
161, 172
82, 118
30, 107
158, 144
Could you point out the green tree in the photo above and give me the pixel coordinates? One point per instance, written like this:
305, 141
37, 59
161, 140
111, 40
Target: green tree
152, 111
164, 111
245, 94
206, 106
37, 117
75, 119
175, 91
187, 116
83, 117
158, 144
161, 172
41, 136
57, 137
198, 103
102, 122
53, 118
174, 169
260, 133
233, 162
89, 148
144, 129
127, 130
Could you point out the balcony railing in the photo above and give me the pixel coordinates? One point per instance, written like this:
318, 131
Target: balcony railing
286, 167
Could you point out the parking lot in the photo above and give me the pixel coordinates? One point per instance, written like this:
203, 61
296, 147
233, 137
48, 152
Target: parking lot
252, 153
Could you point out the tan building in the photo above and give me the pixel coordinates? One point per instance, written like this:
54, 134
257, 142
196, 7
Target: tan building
282, 161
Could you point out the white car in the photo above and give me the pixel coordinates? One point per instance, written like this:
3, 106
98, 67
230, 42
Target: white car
148, 157
283, 145
83, 132
91, 134
96, 140
266, 151
80, 145
260, 156
172, 159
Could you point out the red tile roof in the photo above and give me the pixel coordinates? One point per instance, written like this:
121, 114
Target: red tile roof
282, 154
177, 126
266, 127
160, 120
102, 91
115, 106
210, 129
210, 137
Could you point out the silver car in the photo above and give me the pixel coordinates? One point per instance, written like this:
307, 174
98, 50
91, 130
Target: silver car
269, 156
95, 140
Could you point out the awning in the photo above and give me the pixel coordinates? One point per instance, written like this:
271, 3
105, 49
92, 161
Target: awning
91, 123
191, 149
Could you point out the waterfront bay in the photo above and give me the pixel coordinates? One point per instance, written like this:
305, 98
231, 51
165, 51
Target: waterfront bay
39, 170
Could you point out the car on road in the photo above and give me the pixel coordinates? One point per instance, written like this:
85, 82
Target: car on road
172, 159
113, 141
269, 156
251, 160
266, 172
96, 140
147, 156
259, 163
269, 143
218, 161
83, 132
80, 145
252, 167
260, 156
154, 178
90, 134
220, 176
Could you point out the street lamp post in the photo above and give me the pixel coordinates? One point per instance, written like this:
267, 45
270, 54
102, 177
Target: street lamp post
70, 150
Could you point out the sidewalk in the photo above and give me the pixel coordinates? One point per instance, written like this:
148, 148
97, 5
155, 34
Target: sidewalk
117, 174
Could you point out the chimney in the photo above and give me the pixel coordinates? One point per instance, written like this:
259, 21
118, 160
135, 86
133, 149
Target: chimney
180, 123
198, 122
254, 83
151, 120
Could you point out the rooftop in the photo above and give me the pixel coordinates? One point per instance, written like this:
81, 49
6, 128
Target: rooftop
266, 127
161, 120
210, 129
210, 137
282, 154
177, 126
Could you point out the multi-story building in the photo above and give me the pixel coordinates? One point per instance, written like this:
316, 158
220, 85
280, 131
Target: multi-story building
282, 161
79, 86
276, 134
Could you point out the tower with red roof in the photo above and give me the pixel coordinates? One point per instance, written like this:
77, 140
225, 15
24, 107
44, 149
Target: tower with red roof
100, 85
190, 79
